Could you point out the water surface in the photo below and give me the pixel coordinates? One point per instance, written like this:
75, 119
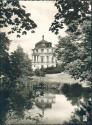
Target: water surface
48, 108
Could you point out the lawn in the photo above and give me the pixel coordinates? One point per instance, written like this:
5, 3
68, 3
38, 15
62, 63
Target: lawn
56, 78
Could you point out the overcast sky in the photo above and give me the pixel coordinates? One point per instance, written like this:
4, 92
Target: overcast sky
42, 12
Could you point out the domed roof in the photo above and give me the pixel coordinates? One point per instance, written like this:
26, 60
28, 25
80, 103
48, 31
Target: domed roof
43, 43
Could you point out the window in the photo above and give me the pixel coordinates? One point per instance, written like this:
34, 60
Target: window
42, 59
47, 50
42, 50
47, 58
34, 58
52, 59
37, 58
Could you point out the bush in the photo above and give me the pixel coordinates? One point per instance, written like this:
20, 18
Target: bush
40, 72
72, 90
52, 70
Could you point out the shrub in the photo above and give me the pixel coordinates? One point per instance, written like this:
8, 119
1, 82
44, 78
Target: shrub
39, 72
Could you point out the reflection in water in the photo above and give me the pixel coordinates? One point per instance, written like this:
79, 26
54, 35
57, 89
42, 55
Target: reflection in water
46, 105
47, 109
50, 106
45, 102
53, 108
76, 92
83, 98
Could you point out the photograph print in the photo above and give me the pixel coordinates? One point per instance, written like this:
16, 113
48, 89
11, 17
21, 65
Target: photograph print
45, 62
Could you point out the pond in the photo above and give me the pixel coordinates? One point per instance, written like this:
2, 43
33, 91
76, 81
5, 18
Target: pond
44, 104
48, 107
49, 111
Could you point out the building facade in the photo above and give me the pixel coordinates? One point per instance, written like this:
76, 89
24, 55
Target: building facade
43, 55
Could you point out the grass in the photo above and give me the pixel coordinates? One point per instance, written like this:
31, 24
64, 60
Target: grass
55, 78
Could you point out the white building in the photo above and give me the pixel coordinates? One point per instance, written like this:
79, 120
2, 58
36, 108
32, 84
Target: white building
43, 55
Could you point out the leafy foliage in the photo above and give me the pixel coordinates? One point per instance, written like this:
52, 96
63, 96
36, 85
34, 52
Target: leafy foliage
82, 97
39, 72
75, 50
53, 70
74, 53
20, 64
75, 92
11, 99
11, 13
71, 13
83, 114
75, 57
4, 56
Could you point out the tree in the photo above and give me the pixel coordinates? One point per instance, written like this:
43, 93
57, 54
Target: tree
4, 56
20, 64
19, 68
76, 57
75, 50
13, 14
71, 13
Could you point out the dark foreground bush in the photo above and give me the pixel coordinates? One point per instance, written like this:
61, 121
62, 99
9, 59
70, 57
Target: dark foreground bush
39, 72
52, 70
72, 90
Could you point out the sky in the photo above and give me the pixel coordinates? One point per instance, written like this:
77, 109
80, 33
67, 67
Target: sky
42, 12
